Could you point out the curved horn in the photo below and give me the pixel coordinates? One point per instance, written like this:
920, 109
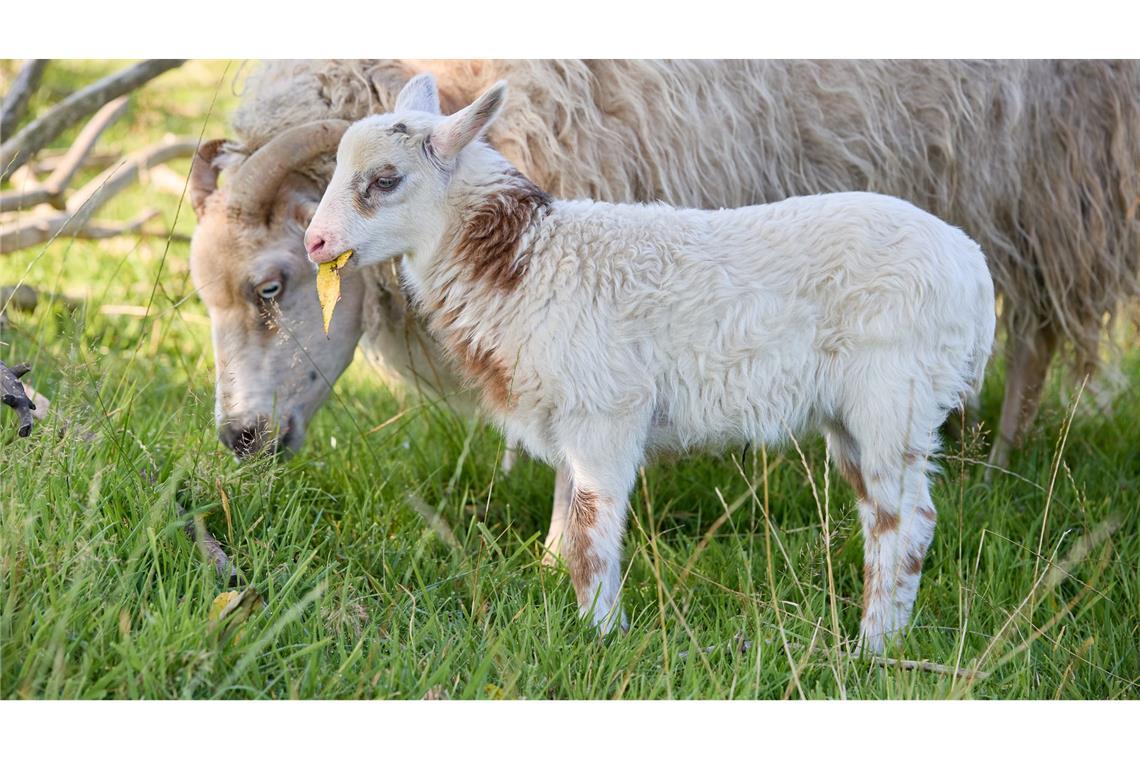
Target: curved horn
204, 175
255, 185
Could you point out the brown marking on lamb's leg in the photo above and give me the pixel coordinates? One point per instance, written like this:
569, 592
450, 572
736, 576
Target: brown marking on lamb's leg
578, 545
898, 526
1028, 359
591, 549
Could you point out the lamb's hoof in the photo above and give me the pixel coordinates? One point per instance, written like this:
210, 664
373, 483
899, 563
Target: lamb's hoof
607, 627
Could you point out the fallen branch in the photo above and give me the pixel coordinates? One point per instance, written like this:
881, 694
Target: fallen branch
90, 198
929, 667
102, 230
52, 189
49, 160
209, 546
40, 132
16, 101
740, 645
167, 180
13, 394
19, 297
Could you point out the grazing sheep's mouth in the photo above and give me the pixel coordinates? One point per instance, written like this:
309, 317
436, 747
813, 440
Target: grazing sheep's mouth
261, 439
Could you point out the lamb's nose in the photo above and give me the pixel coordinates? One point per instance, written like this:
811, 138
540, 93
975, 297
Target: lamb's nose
315, 245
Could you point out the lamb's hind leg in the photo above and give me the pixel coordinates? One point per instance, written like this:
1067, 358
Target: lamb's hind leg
898, 517
898, 521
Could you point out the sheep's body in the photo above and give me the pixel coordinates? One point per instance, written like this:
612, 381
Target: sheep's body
598, 332
1039, 161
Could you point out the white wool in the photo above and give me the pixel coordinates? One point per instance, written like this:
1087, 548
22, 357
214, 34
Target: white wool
634, 328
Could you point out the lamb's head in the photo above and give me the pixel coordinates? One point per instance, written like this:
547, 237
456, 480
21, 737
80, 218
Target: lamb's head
274, 364
388, 194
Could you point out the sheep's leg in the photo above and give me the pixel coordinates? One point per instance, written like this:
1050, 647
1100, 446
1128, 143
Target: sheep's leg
1028, 359
898, 519
563, 492
603, 459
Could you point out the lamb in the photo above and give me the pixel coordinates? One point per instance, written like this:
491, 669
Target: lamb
598, 333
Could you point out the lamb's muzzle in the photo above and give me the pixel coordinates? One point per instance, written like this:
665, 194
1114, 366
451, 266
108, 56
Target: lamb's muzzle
598, 333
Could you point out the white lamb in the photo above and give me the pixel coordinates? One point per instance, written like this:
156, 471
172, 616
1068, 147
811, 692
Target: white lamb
599, 333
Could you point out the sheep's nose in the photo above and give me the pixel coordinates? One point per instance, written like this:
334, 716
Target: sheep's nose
315, 245
246, 441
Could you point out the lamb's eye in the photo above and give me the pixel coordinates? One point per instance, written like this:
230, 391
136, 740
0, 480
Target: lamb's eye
386, 183
269, 290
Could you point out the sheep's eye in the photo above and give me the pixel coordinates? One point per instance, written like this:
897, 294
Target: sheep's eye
386, 183
269, 290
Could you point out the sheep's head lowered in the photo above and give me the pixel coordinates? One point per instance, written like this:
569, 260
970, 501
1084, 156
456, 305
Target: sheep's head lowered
274, 364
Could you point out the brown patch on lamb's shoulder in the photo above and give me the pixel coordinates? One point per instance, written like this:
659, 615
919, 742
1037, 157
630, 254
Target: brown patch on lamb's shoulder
488, 242
885, 522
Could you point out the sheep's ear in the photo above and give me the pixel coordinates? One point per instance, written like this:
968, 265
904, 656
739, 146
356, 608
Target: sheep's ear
455, 132
419, 94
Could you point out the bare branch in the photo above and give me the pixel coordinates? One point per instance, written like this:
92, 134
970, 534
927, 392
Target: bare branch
49, 160
12, 394
209, 546
167, 180
16, 151
16, 101
929, 667
51, 191
95, 194
90, 198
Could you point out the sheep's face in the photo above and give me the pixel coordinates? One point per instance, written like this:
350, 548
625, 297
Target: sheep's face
274, 364
389, 194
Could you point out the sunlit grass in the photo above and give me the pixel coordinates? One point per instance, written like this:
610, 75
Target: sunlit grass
104, 596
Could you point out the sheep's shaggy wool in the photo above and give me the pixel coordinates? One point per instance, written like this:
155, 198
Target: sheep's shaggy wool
1039, 161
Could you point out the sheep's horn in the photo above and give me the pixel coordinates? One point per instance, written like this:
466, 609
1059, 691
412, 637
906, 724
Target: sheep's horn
258, 179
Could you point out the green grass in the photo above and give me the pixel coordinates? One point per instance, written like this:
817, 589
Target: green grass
104, 596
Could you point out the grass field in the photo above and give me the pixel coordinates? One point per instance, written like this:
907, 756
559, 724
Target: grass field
397, 562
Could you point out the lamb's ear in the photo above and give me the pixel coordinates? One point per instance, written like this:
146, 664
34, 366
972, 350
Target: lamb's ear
419, 94
454, 133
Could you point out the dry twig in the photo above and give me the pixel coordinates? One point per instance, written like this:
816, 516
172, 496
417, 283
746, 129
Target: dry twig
13, 394
211, 549
51, 191
17, 150
16, 101
90, 198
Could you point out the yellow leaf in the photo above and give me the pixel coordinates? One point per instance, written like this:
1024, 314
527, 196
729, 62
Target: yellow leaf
328, 285
221, 601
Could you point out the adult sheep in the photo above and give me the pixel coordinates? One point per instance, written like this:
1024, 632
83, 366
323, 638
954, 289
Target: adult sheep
1039, 161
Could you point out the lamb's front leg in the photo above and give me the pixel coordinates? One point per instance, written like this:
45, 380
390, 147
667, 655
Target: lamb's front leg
602, 477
